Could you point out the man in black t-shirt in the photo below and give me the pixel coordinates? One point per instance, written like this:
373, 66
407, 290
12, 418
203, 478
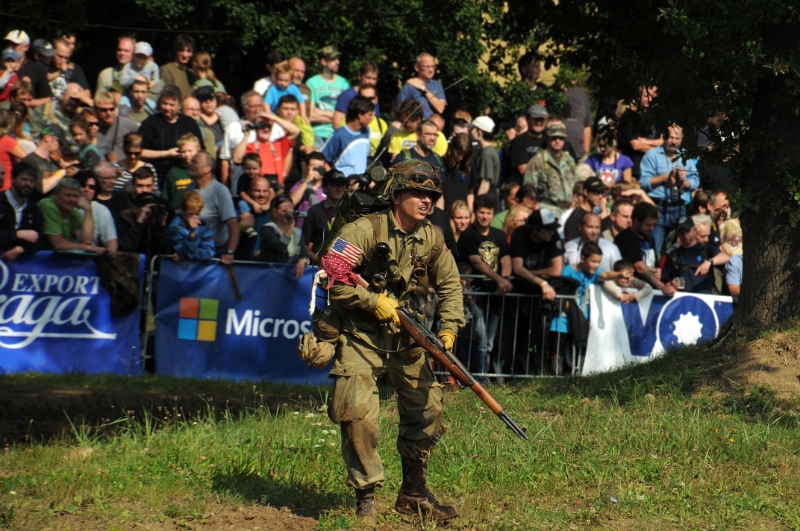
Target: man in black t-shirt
537, 254
334, 184
638, 247
485, 248
33, 71
634, 139
115, 201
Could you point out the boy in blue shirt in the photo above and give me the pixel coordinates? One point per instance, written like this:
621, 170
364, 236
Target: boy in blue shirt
588, 272
348, 147
283, 86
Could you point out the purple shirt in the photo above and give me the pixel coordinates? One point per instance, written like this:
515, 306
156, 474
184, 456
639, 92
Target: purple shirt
318, 197
609, 173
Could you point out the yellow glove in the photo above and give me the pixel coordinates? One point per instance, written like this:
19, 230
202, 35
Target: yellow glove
385, 310
448, 338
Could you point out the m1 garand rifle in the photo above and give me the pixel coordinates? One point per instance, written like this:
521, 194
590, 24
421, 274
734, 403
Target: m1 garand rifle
428, 340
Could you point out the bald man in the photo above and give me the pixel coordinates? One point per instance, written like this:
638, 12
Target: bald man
298, 76
218, 209
423, 88
191, 108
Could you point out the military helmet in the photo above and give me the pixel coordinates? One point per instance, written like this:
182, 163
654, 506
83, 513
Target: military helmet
414, 174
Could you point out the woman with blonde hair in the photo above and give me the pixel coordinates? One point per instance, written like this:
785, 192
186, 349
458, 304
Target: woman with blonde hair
517, 216
201, 64
460, 217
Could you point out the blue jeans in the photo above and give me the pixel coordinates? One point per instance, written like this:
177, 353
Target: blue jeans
667, 221
484, 330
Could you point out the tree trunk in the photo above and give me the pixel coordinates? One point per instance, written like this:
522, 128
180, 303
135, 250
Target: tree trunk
771, 239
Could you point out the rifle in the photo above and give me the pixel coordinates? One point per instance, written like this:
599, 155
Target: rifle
433, 344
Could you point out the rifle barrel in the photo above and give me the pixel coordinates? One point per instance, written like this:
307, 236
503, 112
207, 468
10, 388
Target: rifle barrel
431, 343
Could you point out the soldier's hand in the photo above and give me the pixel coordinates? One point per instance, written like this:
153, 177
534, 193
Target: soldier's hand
448, 339
386, 310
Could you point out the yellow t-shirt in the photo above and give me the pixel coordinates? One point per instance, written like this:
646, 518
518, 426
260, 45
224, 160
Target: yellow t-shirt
377, 128
404, 139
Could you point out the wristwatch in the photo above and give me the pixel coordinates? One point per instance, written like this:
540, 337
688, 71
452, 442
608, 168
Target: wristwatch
229, 251
424, 91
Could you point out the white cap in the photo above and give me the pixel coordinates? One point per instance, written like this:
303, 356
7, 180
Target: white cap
18, 37
143, 48
484, 123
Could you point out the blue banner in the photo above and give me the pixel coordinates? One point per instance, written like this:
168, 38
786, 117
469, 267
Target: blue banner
202, 331
55, 316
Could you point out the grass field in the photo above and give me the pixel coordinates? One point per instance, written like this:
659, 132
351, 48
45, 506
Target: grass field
668, 445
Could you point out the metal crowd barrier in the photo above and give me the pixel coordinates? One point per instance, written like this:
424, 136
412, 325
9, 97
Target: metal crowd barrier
506, 337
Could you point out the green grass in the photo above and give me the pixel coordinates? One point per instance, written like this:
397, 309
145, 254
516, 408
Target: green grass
660, 446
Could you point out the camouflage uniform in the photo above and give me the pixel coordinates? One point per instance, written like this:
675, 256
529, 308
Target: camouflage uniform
368, 349
552, 177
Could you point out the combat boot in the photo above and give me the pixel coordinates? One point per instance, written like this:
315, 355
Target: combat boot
415, 497
365, 505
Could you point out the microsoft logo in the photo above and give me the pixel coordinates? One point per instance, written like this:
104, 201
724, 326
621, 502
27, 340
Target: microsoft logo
198, 319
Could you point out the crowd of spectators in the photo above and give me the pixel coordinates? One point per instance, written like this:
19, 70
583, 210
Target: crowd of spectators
158, 160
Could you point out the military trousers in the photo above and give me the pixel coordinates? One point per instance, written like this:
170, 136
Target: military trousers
358, 365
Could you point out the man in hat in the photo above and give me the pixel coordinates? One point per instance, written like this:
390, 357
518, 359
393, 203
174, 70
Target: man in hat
488, 163
371, 345
552, 171
325, 89
422, 88
525, 145
31, 71
593, 198
690, 266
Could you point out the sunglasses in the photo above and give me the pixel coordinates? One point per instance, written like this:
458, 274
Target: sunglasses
129, 153
90, 187
93, 124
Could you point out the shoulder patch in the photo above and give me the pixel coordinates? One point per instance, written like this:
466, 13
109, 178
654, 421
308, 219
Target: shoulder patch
346, 250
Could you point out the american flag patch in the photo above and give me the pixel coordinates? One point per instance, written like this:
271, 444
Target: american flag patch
346, 250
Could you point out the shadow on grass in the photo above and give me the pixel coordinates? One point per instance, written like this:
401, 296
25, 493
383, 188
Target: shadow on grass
302, 500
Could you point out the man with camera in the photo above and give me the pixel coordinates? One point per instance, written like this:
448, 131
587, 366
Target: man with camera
668, 177
310, 190
144, 227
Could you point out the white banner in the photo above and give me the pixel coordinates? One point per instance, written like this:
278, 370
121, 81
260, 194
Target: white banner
622, 334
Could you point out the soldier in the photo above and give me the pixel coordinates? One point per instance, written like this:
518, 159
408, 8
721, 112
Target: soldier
552, 171
371, 345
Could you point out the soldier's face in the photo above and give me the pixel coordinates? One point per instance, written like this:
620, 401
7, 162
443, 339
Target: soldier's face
413, 204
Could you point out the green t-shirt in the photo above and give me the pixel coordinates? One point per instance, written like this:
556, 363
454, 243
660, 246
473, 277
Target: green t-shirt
55, 225
177, 181
324, 95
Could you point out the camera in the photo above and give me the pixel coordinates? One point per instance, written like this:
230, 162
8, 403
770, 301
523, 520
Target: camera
257, 125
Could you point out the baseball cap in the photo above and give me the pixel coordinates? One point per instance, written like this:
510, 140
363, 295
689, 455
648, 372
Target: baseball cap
205, 92
55, 131
333, 176
593, 184
145, 198
536, 111
484, 123
206, 83
143, 48
556, 130
328, 52
10, 54
18, 37
686, 224
42, 47
543, 218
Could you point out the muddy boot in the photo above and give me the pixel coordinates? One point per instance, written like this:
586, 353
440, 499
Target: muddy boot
365, 505
415, 497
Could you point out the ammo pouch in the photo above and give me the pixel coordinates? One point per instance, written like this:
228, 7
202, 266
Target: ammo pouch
317, 348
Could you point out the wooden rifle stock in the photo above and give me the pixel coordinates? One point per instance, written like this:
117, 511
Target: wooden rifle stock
433, 344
